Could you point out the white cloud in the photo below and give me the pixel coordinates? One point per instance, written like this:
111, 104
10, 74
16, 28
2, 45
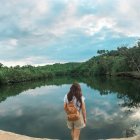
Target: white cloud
120, 19
136, 114
92, 24
65, 21
43, 90
32, 60
100, 113
30, 14
13, 42
39, 24
127, 17
42, 6
9, 44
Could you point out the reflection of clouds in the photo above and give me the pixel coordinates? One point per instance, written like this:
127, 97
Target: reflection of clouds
41, 90
19, 112
132, 119
11, 107
38, 121
15, 110
124, 109
136, 114
100, 113
104, 112
102, 117
39, 112
135, 119
45, 97
2, 112
137, 129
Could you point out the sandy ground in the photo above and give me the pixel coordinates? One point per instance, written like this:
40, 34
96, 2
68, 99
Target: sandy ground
131, 138
12, 136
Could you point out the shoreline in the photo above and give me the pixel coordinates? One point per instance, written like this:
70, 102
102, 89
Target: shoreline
131, 75
5, 135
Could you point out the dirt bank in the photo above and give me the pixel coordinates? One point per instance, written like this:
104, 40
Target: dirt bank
4, 135
12, 136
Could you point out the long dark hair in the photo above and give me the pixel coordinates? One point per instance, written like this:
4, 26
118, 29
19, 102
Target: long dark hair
75, 90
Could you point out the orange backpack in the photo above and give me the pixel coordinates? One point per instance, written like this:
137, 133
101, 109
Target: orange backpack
72, 112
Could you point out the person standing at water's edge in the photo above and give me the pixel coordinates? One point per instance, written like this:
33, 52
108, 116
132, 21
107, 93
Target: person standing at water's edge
75, 98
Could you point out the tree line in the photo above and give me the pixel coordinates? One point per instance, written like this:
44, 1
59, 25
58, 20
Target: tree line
120, 61
18, 73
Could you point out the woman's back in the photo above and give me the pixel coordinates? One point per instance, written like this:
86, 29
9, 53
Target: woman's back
75, 101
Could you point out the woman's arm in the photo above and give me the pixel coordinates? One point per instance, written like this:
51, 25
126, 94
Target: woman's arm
84, 112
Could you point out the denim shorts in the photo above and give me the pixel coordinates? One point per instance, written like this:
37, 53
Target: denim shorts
76, 124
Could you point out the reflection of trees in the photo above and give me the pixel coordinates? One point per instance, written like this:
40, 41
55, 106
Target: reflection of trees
15, 89
126, 89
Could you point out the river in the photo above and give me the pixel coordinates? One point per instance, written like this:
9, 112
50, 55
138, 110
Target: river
36, 108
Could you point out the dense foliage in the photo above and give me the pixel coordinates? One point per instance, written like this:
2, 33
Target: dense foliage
28, 72
106, 63
112, 62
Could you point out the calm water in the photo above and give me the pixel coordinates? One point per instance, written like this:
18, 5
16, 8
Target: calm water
36, 108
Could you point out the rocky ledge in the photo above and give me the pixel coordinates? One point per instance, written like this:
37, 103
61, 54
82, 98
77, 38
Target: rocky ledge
4, 135
12, 136
130, 138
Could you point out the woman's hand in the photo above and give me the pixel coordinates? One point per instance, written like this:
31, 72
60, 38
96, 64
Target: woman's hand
85, 121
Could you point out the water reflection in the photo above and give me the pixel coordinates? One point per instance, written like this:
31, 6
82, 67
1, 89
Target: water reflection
36, 109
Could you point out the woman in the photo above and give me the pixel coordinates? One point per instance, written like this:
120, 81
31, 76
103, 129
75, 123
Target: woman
75, 95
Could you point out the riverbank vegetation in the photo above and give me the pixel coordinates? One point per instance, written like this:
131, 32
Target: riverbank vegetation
27, 73
121, 62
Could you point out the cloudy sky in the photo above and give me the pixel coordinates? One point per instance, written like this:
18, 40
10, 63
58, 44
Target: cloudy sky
40, 32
